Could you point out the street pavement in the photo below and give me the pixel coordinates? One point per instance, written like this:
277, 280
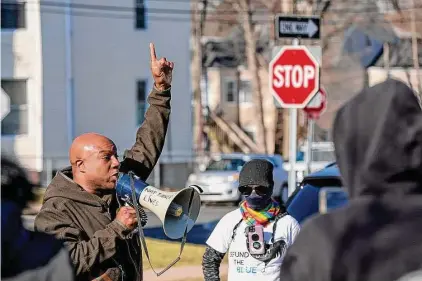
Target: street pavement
208, 213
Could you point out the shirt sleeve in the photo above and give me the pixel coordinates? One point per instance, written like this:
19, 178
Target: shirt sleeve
150, 137
220, 238
287, 229
293, 232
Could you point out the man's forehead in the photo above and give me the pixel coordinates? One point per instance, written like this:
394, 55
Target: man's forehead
105, 147
108, 149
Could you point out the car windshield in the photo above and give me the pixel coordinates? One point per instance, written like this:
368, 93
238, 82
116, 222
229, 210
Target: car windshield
225, 165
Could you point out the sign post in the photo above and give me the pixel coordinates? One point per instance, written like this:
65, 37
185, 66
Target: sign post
294, 81
292, 143
310, 140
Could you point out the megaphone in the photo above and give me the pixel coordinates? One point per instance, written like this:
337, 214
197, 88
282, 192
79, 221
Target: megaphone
178, 211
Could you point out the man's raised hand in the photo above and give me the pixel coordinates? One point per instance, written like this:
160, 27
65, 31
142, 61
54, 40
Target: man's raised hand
162, 70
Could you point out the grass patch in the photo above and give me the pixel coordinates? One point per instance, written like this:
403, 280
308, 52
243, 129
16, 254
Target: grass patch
162, 253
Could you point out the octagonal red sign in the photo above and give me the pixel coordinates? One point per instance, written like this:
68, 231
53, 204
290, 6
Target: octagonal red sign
294, 76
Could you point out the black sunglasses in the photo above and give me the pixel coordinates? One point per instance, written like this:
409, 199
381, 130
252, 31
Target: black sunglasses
247, 190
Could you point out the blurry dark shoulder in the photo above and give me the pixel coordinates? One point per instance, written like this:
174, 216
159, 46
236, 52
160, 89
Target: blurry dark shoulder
36, 250
366, 215
355, 240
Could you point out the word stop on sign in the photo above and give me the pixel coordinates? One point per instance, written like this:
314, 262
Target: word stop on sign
296, 76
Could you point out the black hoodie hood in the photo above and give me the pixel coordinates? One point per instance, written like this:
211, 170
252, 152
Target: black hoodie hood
378, 141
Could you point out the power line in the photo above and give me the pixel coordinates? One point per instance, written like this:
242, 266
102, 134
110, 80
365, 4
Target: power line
114, 8
114, 15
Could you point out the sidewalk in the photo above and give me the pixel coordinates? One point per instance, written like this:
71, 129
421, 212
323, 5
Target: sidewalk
181, 273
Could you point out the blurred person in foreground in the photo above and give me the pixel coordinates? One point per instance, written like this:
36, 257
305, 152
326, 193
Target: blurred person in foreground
230, 234
80, 205
378, 146
26, 255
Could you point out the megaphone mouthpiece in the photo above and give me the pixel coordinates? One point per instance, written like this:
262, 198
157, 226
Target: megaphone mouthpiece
175, 210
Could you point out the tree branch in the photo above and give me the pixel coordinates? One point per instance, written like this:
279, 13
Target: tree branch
336, 31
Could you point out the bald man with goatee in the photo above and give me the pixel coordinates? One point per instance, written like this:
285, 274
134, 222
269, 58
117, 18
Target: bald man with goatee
80, 206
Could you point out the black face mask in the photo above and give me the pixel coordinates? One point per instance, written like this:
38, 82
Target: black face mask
258, 202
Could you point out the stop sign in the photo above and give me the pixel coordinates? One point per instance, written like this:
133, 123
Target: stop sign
294, 76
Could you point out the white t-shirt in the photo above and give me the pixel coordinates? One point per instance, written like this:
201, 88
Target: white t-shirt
242, 266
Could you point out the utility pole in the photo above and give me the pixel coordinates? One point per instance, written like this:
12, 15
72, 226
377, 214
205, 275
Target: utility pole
415, 48
199, 13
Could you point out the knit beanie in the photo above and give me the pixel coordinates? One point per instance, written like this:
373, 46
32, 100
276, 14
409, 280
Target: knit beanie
257, 172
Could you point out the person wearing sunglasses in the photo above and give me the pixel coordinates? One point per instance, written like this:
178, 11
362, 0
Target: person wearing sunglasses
256, 235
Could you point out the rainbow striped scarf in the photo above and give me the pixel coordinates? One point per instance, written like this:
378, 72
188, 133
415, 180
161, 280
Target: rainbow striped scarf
262, 217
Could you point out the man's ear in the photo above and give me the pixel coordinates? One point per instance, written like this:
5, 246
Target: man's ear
80, 165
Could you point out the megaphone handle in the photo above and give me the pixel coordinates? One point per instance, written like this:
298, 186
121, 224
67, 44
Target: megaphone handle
142, 236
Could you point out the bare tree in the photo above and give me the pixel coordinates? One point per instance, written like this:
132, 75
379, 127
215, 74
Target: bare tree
244, 10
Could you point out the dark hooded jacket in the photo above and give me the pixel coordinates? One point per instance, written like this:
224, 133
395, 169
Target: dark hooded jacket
100, 246
378, 142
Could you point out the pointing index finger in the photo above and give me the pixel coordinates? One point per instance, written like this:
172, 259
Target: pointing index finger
152, 52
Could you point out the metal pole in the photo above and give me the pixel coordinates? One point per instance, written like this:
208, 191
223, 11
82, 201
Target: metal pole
70, 95
415, 49
292, 142
308, 155
292, 150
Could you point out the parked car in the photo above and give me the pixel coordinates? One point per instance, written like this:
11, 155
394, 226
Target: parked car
219, 178
305, 200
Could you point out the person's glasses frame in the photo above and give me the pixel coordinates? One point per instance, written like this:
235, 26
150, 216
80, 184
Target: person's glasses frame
247, 190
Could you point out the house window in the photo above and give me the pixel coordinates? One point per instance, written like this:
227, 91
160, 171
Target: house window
141, 101
245, 93
230, 91
13, 15
140, 20
16, 122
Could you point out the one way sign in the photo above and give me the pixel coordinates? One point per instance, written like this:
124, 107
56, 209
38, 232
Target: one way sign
307, 27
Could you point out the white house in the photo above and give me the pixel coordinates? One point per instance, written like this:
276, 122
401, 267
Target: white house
72, 67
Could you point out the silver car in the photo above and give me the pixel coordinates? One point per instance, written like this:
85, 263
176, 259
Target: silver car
219, 178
